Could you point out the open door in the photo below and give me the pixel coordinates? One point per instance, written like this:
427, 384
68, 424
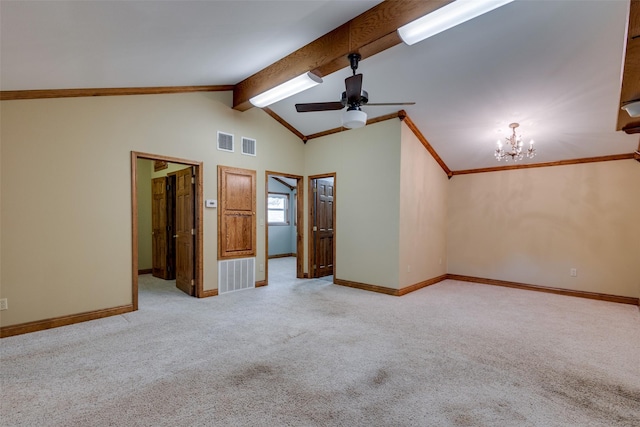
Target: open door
159, 228
185, 230
162, 216
322, 226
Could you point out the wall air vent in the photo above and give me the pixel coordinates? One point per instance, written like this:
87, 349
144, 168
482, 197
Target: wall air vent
225, 141
248, 146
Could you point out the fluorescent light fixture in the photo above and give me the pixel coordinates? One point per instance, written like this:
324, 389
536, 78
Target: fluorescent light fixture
633, 108
446, 17
286, 89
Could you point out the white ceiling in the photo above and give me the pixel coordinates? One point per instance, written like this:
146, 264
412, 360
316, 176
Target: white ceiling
554, 66
144, 43
290, 181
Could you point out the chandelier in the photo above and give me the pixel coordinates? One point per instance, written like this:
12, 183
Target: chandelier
513, 148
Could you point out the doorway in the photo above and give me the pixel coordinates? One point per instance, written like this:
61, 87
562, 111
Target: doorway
284, 219
322, 218
186, 225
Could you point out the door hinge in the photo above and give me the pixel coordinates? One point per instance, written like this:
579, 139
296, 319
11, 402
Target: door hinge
193, 179
168, 187
193, 282
315, 266
315, 190
315, 228
193, 231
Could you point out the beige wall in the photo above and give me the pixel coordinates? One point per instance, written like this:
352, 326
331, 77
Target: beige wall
66, 198
423, 213
367, 166
534, 225
65, 207
145, 169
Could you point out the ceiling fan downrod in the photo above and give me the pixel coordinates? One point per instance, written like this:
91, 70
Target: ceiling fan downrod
354, 58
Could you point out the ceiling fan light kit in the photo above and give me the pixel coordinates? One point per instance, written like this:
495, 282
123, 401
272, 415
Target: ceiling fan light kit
286, 89
632, 108
446, 17
353, 119
353, 98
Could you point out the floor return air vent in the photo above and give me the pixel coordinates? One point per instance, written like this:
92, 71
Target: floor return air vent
236, 275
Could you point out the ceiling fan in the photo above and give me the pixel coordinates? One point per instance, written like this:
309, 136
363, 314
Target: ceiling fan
353, 98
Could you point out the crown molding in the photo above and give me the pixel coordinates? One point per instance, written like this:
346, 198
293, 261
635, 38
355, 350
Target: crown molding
285, 123
427, 145
12, 95
547, 164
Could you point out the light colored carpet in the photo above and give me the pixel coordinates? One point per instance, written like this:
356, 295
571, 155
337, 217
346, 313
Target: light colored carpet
309, 353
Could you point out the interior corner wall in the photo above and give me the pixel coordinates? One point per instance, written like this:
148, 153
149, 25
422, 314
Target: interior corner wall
367, 166
423, 213
534, 225
66, 190
145, 168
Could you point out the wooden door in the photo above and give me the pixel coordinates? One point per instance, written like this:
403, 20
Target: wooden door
171, 227
236, 213
159, 228
185, 231
323, 229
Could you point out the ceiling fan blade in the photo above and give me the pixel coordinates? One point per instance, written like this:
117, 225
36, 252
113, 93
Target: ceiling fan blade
319, 106
353, 85
379, 104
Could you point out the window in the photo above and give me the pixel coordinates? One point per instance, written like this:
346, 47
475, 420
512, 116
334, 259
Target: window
278, 209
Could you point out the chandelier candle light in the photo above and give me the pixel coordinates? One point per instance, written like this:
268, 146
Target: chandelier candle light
514, 147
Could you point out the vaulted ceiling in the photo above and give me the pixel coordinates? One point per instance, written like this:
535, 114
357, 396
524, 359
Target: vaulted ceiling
556, 67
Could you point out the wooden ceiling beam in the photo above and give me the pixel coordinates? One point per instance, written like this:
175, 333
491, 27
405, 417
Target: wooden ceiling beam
630, 90
369, 33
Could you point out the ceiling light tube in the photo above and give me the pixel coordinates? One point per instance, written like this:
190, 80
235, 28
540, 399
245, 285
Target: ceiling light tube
446, 17
286, 89
633, 108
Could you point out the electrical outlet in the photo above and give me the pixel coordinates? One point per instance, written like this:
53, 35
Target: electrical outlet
573, 272
4, 304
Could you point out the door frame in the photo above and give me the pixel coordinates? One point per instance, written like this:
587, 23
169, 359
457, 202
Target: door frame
198, 255
299, 221
312, 253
